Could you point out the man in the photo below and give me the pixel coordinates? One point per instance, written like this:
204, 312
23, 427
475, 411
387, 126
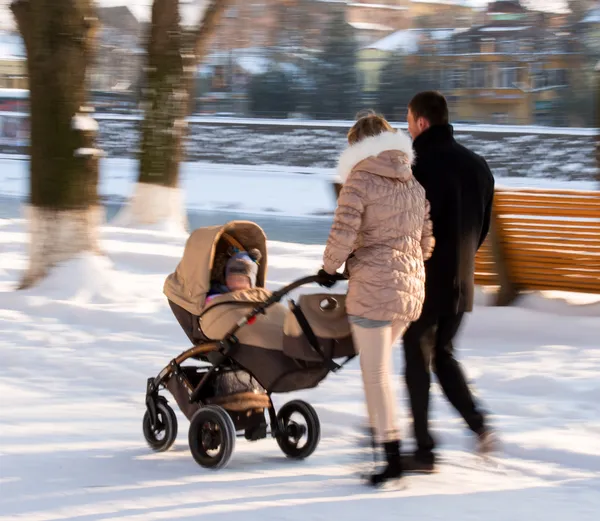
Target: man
460, 189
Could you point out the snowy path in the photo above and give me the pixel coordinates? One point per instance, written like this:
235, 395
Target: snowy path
75, 355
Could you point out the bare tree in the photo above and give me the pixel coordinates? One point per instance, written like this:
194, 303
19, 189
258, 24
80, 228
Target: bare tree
172, 57
63, 210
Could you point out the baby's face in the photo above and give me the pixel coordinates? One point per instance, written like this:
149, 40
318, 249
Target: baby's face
236, 282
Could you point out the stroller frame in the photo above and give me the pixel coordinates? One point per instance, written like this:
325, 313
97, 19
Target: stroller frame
280, 425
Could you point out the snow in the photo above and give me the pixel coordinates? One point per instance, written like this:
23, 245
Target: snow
84, 123
253, 64
406, 41
495, 28
76, 354
82, 152
268, 189
154, 207
11, 46
369, 26
14, 93
444, 34
88, 279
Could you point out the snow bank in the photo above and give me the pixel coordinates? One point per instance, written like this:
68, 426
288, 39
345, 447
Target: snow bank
562, 303
88, 279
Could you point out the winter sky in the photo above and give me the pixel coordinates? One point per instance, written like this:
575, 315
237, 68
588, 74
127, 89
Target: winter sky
141, 8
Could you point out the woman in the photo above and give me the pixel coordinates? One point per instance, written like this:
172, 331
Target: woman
382, 229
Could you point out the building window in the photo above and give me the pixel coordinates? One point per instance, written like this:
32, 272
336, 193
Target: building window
500, 118
506, 76
526, 45
458, 79
488, 45
218, 80
546, 78
477, 76
461, 46
508, 47
560, 77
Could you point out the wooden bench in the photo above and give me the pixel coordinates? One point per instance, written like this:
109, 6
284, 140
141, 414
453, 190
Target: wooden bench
542, 240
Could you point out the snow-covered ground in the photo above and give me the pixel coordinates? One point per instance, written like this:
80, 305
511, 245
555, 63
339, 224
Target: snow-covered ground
75, 354
263, 189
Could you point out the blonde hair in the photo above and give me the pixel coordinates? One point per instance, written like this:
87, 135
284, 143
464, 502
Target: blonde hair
369, 124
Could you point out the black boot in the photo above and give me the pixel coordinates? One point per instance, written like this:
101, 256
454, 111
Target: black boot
393, 468
420, 462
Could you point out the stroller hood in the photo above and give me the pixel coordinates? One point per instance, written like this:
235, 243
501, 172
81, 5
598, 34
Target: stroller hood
190, 283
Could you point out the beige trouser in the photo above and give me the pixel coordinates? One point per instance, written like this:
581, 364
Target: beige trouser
374, 345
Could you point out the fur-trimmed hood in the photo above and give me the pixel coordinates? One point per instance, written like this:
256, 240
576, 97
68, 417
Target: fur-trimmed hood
389, 154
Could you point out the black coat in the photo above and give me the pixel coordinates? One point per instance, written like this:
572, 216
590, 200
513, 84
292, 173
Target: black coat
460, 189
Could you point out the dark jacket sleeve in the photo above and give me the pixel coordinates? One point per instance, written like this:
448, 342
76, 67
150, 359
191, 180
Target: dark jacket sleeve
487, 216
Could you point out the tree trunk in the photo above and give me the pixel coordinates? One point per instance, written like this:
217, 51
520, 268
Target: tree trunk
59, 39
172, 57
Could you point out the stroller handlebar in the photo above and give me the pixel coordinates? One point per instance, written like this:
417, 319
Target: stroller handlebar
276, 297
279, 294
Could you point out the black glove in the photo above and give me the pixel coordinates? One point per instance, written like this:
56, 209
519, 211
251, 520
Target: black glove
325, 279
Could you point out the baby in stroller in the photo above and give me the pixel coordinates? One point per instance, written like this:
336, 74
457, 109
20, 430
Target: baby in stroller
251, 345
240, 271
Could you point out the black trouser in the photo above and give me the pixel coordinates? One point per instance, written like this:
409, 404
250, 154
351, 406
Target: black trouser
428, 343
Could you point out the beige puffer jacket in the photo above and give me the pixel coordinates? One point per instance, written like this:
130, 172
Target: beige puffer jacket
383, 219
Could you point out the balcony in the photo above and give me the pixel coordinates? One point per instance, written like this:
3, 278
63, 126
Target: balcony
491, 96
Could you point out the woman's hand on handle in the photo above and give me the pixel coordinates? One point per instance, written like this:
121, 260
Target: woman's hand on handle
327, 280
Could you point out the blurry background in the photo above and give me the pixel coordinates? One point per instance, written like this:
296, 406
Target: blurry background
510, 62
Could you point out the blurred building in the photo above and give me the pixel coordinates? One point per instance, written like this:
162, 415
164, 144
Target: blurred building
373, 20
516, 68
13, 65
431, 14
504, 63
427, 28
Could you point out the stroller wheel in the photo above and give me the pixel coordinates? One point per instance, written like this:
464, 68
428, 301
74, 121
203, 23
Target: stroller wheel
212, 437
301, 429
163, 435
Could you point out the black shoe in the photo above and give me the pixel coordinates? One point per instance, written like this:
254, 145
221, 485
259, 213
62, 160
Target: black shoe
419, 463
393, 468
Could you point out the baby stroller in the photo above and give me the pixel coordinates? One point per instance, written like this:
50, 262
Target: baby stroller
251, 346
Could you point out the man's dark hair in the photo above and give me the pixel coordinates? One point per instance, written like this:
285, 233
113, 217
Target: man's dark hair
430, 105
